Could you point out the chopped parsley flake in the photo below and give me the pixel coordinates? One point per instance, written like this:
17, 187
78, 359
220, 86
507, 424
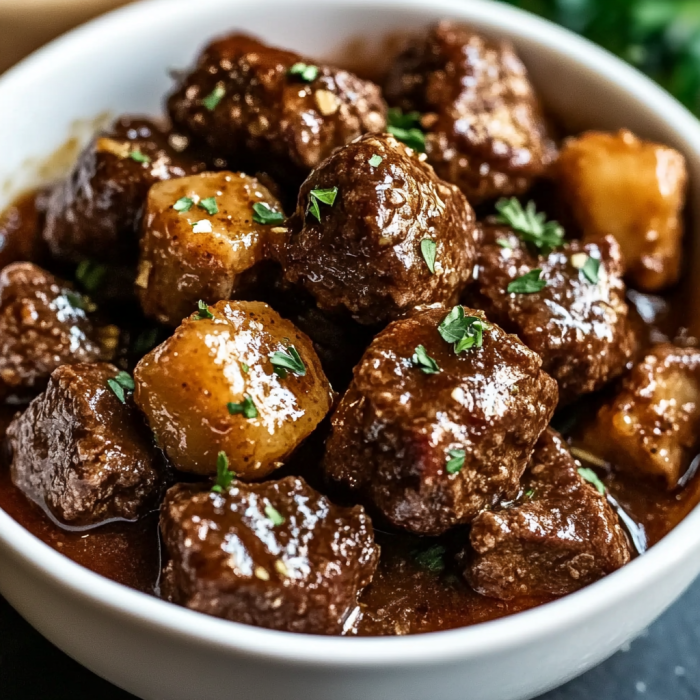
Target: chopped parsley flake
504, 243
326, 196
590, 270
263, 214
145, 341
78, 301
90, 274
245, 368
209, 205
202, 226
406, 128
428, 248
183, 204
273, 515
289, 360
375, 160
592, 478
139, 157
214, 97
465, 332
528, 283
246, 407
531, 226
308, 73
455, 462
202, 311
224, 476
121, 383
423, 361
432, 558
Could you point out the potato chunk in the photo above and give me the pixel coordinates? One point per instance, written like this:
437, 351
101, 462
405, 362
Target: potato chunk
199, 238
651, 425
634, 190
217, 385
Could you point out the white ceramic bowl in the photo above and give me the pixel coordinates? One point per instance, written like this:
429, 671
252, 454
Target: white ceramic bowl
162, 652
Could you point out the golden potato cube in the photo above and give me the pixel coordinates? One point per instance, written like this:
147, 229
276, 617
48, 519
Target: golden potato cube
199, 238
651, 425
634, 190
217, 385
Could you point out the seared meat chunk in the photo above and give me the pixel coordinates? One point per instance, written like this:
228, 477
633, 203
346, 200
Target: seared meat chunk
634, 190
651, 425
246, 97
366, 251
95, 212
483, 121
559, 536
43, 324
577, 324
83, 453
20, 229
199, 238
432, 445
276, 554
237, 378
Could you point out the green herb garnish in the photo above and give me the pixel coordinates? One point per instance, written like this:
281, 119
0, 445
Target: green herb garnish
273, 515
428, 248
531, 226
202, 311
262, 214
139, 157
288, 360
326, 196
504, 243
145, 341
528, 283
245, 368
90, 274
78, 301
246, 407
122, 382
432, 558
209, 205
464, 331
424, 362
375, 160
214, 97
307, 73
183, 204
592, 478
455, 462
224, 476
591, 269
406, 128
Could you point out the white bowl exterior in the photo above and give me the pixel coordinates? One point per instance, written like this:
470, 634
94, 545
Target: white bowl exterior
161, 652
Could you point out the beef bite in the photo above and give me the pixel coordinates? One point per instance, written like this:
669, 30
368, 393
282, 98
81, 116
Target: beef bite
619, 185
44, 324
202, 240
558, 536
287, 112
376, 233
277, 555
573, 314
431, 436
237, 378
83, 452
650, 426
483, 124
95, 212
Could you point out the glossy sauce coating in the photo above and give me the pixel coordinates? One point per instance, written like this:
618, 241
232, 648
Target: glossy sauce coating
191, 255
185, 385
365, 255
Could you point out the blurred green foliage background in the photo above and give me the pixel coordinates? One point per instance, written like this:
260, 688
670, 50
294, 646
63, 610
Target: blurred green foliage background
660, 37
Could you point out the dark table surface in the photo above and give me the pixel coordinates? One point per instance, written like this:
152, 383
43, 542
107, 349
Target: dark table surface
662, 664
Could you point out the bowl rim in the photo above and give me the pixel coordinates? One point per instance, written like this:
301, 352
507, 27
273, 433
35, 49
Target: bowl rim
344, 652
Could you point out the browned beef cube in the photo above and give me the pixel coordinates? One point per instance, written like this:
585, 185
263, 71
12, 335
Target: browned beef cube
429, 436
650, 427
394, 236
577, 323
43, 324
82, 452
558, 536
96, 211
20, 229
276, 554
244, 96
483, 121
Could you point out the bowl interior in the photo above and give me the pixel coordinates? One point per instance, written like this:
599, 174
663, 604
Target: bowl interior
121, 63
